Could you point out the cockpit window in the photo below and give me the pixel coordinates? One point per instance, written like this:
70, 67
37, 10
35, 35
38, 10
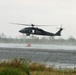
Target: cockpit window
26, 29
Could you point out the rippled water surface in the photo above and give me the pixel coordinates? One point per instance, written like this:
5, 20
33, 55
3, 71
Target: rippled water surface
64, 56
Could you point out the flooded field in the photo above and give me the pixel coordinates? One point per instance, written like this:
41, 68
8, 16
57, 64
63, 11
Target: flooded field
60, 56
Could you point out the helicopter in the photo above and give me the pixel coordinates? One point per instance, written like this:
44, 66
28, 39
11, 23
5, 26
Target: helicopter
38, 31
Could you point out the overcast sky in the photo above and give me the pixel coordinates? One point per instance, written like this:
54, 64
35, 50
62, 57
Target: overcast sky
47, 12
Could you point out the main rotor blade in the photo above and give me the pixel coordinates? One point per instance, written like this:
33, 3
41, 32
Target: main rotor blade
30, 24
45, 25
20, 24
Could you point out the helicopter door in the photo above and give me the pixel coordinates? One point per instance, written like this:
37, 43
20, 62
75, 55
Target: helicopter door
33, 31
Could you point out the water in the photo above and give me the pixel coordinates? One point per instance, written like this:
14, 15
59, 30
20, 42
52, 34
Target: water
58, 55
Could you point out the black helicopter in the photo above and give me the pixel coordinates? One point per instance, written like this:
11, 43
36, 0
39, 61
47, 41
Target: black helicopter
38, 31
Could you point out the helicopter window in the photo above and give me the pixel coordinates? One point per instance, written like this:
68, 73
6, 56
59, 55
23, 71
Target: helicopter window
38, 31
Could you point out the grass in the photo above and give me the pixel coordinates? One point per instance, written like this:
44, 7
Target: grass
24, 67
10, 71
14, 67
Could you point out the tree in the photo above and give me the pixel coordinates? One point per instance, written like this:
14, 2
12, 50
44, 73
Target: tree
71, 38
2, 35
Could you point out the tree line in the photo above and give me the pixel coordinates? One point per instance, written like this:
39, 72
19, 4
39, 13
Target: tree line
36, 40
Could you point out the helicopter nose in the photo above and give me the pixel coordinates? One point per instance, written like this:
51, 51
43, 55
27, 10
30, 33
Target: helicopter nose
21, 31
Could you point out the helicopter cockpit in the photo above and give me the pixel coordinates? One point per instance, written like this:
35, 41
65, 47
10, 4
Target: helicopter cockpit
25, 30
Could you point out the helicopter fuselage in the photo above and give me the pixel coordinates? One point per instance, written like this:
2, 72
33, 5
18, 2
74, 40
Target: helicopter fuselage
37, 31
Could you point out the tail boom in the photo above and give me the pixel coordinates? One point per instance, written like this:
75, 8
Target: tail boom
58, 33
